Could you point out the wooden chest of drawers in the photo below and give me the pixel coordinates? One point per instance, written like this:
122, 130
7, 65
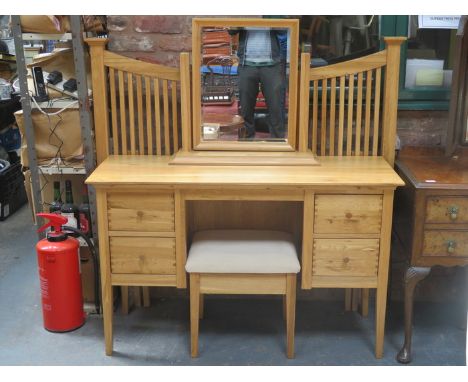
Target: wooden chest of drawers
430, 219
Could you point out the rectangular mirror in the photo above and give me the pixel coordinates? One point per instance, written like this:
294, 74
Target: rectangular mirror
244, 84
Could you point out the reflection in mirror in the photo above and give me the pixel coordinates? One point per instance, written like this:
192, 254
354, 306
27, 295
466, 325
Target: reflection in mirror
244, 75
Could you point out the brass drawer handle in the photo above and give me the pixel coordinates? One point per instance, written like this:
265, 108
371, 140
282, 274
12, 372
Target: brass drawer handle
453, 212
451, 244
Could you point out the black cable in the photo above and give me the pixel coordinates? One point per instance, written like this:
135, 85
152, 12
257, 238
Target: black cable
92, 248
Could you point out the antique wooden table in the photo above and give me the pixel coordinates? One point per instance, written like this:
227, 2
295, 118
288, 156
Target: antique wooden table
430, 219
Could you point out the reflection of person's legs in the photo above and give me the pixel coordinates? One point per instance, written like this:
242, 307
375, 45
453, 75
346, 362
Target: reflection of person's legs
272, 79
248, 90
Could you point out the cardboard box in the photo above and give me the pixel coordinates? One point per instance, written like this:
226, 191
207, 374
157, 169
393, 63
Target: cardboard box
53, 134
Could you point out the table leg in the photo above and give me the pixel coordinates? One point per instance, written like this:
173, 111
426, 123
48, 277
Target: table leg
412, 277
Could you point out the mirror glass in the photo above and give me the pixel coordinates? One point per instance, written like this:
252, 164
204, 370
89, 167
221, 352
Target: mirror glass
244, 83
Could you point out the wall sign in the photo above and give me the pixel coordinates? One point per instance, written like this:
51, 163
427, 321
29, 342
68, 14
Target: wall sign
438, 21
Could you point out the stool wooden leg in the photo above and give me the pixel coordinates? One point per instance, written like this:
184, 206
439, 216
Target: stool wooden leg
354, 299
290, 312
124, 299
146, 297
201, 307
194, 312
284, 307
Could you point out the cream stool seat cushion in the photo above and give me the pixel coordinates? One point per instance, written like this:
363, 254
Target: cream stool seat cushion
242, 251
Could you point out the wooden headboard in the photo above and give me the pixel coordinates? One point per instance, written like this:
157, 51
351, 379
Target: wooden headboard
136, 108
345, 119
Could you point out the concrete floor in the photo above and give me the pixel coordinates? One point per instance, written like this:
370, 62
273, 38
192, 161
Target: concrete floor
235, 331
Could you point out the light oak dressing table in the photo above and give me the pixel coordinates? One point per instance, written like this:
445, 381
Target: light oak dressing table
339, 210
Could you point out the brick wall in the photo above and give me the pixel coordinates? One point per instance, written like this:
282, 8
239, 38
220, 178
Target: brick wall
158, 39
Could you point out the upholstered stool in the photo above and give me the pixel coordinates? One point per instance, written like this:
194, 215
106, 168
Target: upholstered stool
242, 262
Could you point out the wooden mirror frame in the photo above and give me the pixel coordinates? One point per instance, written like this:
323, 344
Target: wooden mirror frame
290, 144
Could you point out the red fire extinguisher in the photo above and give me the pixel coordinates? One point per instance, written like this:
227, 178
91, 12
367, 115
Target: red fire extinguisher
60, 277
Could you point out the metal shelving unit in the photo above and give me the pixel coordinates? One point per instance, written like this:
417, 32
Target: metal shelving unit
86, 121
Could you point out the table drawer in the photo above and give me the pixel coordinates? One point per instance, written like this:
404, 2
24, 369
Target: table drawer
348, 213
144, 255
143, 212
447, 209
345, 257
445, 243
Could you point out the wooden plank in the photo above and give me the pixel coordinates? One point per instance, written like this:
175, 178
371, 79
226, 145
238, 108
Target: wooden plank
131, 113
304, 98
375, 136
115, 134
141, 212
143, 255
332, 117
175, 123
384, 261
349, 137
99, 80
348, 214
143, 234
389, 120
314, 117
143, 279
141, 141
307, 239
181, 239
323, 115
123, 115
227, 283
350, 67
157, 116
357, 147
149, 116
139, 67
342, 281
105, 267
185, 101
167, 141
345, 257
341, 116
368, 112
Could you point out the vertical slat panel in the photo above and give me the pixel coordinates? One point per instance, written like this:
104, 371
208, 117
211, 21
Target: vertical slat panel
141, 140
167, 141
368, 111
149, 125
131, 113
357, 150
323, 115
349, 137
315, 117
341, 116
375, 138
123, 114
115, 134
185, 101
332, 116
157, 116
304, 98
175, 123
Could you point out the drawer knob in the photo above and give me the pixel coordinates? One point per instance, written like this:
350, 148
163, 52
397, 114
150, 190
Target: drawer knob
453, 212
451, 244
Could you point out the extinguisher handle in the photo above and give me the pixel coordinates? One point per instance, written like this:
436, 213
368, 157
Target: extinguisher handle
55, 220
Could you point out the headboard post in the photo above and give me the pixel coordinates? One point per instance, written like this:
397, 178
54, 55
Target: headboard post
390, 99
99, 80
185, 101
304, 93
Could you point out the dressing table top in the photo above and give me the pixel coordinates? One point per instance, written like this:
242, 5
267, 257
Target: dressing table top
332, 171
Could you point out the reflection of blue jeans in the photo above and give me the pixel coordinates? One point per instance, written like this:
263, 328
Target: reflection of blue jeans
273, 88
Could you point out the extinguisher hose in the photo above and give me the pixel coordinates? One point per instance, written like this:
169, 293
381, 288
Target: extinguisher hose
92, 248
